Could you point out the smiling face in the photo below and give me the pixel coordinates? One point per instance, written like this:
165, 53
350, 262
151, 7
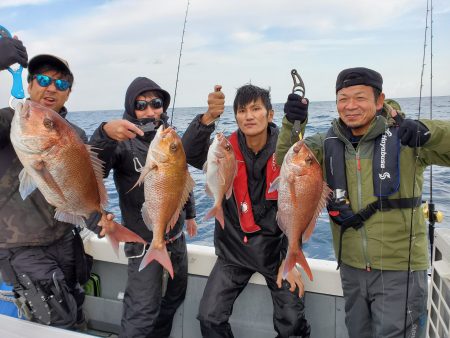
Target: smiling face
49, 97
357, 107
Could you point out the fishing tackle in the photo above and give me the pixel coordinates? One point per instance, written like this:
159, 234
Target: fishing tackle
298, 88
17, 92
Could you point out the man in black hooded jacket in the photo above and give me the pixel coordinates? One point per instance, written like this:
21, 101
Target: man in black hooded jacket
247, 244
124, 145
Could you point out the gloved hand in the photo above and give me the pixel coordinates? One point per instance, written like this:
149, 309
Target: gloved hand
295, 108
413, 133
12, 51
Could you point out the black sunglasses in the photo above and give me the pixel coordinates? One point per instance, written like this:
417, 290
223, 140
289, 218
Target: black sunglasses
45, 81
154, 103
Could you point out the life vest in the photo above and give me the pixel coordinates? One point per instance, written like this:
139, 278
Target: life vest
386, 181
240, 187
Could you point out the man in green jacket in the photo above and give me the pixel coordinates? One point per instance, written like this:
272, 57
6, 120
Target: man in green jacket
373, 159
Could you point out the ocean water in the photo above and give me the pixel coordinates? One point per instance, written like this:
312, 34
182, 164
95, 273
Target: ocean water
320, 116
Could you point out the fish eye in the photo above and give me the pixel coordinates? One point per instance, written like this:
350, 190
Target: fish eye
48, 123
173, 146
308, 160
228, 147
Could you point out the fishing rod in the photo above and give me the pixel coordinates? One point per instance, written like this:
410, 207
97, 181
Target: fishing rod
429, 210
179, 62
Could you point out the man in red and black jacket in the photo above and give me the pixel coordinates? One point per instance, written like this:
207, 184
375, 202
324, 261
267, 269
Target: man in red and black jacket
251, 240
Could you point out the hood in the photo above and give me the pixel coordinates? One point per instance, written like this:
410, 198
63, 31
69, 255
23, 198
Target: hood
137, 87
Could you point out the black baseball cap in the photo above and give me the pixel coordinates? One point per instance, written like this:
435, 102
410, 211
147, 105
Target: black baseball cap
359, 76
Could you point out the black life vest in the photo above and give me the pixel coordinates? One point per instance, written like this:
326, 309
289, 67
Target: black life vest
386, 181
240, 187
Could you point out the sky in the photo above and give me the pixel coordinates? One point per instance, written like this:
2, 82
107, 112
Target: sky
108, 43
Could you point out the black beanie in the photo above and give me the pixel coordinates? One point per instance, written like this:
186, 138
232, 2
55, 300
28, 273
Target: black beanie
139, 86
359, 76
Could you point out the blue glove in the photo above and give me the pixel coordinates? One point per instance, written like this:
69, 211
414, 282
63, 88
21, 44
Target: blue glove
413, 133
12, 51
295, 109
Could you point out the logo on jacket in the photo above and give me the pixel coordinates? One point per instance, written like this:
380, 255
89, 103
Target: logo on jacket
385, 175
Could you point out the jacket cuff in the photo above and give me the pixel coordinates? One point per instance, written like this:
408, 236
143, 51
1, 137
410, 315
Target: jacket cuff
92, 223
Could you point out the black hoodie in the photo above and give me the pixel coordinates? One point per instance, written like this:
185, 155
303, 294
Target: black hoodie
123, 156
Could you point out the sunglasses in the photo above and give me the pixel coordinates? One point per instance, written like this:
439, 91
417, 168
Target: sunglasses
154, 103
45, 81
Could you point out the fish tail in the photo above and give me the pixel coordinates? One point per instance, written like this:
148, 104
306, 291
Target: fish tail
116, 233
293, 258
159, 255
216, 212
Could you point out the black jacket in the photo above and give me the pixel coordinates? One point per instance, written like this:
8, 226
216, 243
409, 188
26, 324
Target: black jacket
122, 157
266, 248
28, 222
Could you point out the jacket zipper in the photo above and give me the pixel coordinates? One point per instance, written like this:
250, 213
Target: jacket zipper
363, 229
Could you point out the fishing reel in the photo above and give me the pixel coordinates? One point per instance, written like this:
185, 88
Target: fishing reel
431, 214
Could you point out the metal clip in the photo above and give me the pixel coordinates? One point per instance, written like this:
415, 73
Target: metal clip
299, 86
137, 164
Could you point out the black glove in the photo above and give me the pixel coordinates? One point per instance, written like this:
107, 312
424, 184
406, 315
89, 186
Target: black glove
12, 51
295, 109
413, 133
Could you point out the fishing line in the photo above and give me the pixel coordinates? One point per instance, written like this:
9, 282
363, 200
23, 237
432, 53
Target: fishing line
413, 210
179, 61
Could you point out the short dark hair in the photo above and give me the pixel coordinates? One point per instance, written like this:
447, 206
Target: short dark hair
249, 93
376, 93
66, 75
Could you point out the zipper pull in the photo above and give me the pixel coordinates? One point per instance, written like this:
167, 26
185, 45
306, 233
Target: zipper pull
358, 160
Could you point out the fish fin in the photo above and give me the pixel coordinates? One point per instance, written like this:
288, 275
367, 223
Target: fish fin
229, 192
158, 156
98, 166
208, 190
40, 169
160, 255
144, 172
274, 185
282, 222
322, 203
216, 212
69, 218
146, 216
293, 258
114, 243
292, 193
188, 187
119, 233
27, 184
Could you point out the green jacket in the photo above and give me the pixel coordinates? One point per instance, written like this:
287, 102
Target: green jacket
383, 241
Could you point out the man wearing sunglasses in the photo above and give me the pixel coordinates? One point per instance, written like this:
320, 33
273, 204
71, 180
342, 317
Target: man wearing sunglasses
148, 306
41, 257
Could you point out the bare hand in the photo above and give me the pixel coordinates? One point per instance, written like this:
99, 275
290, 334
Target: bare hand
107, 224
191, 227
121, 130
293, 277
216, 105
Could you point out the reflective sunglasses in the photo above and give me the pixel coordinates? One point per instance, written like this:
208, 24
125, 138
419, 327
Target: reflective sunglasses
45, 81
154, 103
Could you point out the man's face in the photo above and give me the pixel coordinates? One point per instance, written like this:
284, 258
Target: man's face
48, 96
149, 111
254, 118
357, 107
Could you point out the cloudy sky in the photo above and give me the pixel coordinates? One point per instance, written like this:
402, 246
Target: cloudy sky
108, 43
